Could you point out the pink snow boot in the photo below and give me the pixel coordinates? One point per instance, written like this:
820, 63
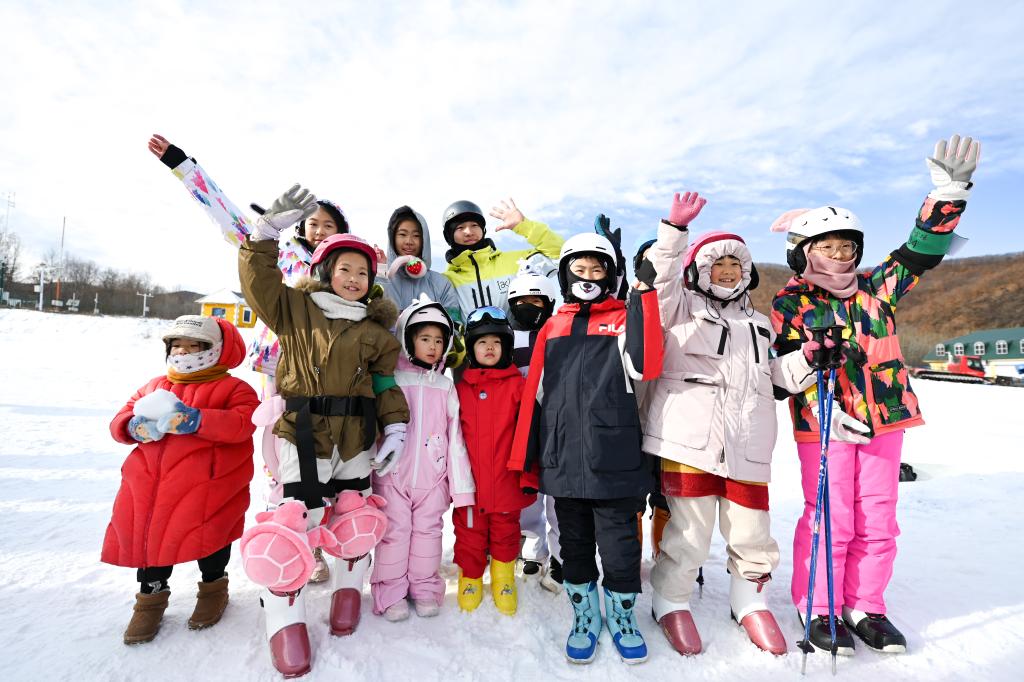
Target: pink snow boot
286, 632
357, 524
681, 632
749, 609
276, 551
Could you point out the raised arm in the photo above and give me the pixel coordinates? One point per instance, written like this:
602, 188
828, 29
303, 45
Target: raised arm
233, 224
667, 254
932, 237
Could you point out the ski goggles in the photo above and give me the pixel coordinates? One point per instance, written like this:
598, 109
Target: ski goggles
487, 313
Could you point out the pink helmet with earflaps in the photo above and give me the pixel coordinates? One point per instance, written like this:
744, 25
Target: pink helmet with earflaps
343, 242
702, 254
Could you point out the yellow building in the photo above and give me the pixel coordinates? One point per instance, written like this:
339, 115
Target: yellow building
228, 305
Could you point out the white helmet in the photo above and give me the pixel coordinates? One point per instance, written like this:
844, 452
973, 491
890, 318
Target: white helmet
420, 311
532, 285
803, 224
587, 244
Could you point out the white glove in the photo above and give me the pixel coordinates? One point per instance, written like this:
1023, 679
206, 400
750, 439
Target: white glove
294, 205
845, 428
390, 451
952, 167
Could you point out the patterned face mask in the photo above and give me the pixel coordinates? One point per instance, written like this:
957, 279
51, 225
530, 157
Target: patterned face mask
194, 362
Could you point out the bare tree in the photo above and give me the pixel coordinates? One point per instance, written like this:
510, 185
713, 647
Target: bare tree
10, 252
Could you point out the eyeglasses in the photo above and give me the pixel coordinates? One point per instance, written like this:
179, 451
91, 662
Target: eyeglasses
488, 311
846, 249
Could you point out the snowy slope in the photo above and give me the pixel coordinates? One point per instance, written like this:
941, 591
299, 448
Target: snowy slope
957, 591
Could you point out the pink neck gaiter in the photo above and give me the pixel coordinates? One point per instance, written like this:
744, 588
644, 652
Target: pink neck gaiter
837, 277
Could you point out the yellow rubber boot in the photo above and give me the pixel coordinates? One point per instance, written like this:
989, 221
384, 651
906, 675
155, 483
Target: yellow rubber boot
471, 592
503, 586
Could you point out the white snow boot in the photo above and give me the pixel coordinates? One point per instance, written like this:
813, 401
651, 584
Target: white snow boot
286, 632
750, 610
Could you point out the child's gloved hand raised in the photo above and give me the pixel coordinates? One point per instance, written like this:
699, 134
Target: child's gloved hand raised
183, 420
294, 205
952, 167
144, 430
685, 208
390, 451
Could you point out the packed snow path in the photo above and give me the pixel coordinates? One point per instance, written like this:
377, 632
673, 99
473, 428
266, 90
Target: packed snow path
956, 593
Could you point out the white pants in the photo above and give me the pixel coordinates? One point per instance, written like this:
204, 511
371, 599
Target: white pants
687, 541
356, 468
539, 527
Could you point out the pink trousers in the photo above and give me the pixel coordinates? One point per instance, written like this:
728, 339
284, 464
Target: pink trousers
863, 481
406, 561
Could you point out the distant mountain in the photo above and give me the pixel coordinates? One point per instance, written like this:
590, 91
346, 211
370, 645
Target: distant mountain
960, 296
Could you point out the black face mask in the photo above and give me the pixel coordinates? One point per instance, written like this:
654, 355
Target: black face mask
529, 317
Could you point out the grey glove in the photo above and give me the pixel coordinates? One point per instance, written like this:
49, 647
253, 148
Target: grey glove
952, 167
294, 205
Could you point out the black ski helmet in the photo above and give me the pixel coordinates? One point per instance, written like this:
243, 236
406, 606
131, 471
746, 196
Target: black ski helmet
489, 320
460, 212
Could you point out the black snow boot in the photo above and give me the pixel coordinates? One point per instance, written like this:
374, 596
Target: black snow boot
821, 638
531, 567
552, 579
875, 630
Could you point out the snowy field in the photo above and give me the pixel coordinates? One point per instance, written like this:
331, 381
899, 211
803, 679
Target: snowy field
957, 594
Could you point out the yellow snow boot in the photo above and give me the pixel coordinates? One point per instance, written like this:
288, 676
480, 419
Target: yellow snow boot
503, 586
471, 592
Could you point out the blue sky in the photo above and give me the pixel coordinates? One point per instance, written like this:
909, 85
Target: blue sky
572, 108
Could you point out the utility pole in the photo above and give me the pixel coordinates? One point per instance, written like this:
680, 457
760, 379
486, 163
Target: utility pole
96, 303
145, 308
42, 274
60, 262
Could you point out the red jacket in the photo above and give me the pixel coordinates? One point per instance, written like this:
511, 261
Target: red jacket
488, 407
184, 497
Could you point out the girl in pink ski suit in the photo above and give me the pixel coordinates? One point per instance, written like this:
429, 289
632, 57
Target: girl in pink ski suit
433, 472
824, 248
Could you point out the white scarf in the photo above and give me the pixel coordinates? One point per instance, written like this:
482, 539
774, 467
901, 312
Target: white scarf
334, 307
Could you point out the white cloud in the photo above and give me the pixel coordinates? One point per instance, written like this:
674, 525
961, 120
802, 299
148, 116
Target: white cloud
557, 104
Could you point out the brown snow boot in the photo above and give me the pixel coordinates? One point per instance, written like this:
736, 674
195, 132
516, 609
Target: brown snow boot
211, 600
145, 622
658, 528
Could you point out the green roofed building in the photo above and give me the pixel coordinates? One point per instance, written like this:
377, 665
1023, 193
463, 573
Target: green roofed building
1002, 351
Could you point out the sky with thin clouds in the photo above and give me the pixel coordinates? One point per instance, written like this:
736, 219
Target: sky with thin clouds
571, 108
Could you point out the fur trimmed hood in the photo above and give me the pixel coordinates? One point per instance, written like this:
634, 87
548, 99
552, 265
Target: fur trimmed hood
380, 309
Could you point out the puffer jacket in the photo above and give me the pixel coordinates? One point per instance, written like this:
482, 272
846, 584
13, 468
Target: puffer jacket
489, 401
322, 356
481, 276
184, 497
403, 288
292, 260
713, 407
434, 447
873, 385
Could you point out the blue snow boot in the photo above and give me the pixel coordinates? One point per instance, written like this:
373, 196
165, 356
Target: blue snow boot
586, 626
618, 608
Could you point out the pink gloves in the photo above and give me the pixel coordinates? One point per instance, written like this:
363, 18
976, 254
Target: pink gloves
685, 208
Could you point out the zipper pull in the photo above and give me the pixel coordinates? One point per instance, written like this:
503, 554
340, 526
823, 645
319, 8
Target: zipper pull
721, 458
319, 387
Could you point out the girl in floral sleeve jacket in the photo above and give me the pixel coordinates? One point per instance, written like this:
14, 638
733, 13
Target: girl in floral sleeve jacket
824, 248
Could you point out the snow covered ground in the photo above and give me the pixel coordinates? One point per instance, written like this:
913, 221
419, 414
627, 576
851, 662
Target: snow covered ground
957, 591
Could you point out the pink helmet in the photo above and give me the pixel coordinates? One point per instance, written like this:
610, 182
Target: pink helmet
703, 252
347, 242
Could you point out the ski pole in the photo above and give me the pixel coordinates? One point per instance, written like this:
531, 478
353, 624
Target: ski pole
822, 358
826, 508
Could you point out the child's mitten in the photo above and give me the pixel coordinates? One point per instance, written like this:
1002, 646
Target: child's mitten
390, 451
144, 430
181, 421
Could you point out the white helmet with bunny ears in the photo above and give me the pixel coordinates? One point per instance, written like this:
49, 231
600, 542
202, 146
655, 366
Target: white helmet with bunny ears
421, 311
805, 224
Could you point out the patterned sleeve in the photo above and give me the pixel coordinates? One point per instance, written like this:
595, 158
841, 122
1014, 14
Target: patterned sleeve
233, 224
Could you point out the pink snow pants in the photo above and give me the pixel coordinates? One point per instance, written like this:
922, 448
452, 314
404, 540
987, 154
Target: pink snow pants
863, 481
406, 561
